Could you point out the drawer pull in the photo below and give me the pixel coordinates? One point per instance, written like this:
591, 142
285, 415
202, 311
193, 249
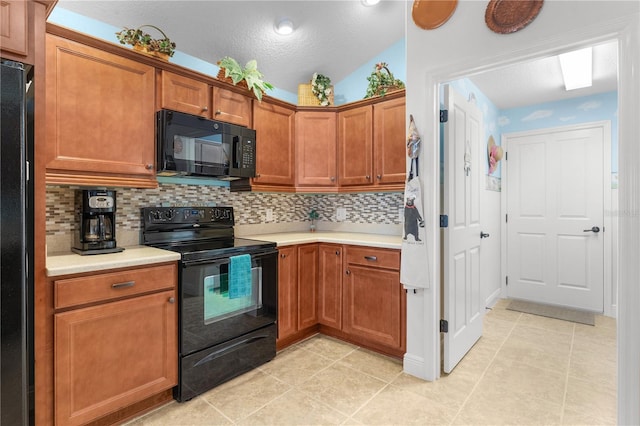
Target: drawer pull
371, 258
123, 285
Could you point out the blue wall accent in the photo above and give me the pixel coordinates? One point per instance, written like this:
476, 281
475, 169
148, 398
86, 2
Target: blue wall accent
354, 87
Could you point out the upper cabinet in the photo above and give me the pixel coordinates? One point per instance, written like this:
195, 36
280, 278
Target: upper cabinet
275, 130
100, 117
389, 142
191, 96
355, 145
316, 157
14, 28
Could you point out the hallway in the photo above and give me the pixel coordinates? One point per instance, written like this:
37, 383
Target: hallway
524, 370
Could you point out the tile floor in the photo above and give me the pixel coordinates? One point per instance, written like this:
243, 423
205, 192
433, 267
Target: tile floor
524, 370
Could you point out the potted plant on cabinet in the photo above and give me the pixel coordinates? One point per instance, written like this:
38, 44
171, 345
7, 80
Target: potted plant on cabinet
382, 81
249, 75
162, 48
313, 215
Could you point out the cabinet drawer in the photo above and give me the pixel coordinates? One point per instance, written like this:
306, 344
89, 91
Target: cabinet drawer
108, 286
374, 257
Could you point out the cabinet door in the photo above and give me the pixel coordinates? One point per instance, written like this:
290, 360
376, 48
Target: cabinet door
389, 141
307, 285
355, 146
14, 28
374, 305
287, 291
112, 355
316, 149
275, 131
330, 285
185, 94
100, 117
231, 107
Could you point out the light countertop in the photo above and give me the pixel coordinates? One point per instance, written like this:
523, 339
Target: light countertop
71, 263
353, 238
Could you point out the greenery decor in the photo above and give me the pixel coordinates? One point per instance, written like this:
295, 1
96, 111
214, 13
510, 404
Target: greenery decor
141, 41
249, 74
321, 88
313, 215
382, 81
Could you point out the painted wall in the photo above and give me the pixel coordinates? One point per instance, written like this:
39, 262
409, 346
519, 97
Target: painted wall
352, 88
471, 47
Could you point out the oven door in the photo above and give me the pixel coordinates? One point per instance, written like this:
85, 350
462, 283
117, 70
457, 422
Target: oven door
212, 313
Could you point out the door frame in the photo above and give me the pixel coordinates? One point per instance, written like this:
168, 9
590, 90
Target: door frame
609, 306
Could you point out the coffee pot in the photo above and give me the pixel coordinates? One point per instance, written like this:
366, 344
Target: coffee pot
95, 230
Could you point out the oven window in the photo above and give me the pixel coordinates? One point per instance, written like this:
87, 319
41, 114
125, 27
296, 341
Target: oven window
220, 302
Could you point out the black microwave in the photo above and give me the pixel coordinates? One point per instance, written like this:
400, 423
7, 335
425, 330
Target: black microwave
190, 145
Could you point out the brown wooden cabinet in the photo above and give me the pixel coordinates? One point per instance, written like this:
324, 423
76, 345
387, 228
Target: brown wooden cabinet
287, 292
115, 337
184, 94
231, 107
297, 293
14, 28
274, 124
192, 96
100, 117
330, 285
389, 141
316, 156
374, 302
355, 146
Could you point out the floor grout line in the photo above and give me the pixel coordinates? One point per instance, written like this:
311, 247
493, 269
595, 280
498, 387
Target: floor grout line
566, 380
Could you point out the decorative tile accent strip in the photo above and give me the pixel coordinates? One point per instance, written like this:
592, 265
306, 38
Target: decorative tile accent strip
376, 208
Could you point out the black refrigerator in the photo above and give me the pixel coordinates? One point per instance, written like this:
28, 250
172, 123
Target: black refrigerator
16, 238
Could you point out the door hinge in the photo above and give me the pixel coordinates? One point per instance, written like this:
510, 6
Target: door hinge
444, 326
444, 115
506, 156
506, 218
507, 280
444, 221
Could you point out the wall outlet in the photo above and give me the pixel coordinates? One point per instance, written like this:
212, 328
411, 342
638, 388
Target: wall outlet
268, 214
341, 214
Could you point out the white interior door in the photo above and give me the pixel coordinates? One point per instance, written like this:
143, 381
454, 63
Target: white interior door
462, 307
555, 207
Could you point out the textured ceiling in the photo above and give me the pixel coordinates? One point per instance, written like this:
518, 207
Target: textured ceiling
331, 37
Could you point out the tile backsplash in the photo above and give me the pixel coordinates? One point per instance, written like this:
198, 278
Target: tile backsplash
370, 211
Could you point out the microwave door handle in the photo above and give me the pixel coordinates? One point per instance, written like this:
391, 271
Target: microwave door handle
237, 152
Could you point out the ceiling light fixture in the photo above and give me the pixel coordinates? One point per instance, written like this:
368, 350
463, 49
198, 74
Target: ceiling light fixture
370, 2
284, 26
577, 68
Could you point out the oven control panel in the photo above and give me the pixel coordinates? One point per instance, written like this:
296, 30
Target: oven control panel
188, 216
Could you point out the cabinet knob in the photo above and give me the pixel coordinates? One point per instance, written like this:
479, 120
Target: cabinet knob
172, 300
368, 177
337, 252
348, 272
204, 109
218, 112
148, 166
332, 178
282, 255
379, 177
257, 175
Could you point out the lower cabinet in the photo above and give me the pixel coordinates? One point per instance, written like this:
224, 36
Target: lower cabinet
118, 349
349, 292
297, 293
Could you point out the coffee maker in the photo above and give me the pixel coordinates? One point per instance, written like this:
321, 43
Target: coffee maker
96, 224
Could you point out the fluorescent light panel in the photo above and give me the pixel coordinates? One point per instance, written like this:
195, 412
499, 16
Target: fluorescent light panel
577, 68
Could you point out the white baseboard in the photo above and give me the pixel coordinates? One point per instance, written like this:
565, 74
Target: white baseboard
414, 366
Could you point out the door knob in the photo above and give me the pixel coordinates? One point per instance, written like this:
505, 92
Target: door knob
484, 235
594, 229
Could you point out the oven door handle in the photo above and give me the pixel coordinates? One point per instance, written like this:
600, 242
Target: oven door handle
225, 259
229, 349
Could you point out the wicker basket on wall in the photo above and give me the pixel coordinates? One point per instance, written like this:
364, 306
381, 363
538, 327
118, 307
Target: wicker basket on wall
307, 98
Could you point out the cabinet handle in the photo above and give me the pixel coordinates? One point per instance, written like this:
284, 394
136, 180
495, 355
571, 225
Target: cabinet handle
148, 166
371, 258
282, 255
123, 285
205, 109
348, 272
332, 178
257, 175
218, 112
337, 252
368, 177
379, 177
172, 300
